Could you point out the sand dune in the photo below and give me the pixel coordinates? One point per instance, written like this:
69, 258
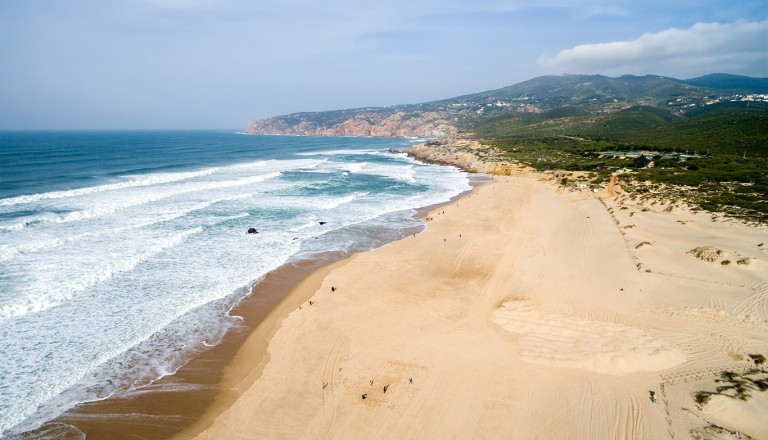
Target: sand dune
737, 415
520, 313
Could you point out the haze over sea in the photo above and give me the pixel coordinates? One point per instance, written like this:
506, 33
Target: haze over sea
121, 253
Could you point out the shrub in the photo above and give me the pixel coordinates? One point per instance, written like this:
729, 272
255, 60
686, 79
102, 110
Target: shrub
758, 359
702, 397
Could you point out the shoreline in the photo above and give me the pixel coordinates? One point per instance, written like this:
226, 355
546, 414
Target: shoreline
437, 319
203, 385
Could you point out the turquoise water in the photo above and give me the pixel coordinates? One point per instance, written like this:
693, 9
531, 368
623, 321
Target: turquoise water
121, 253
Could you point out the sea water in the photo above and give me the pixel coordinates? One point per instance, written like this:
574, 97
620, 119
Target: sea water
121, 253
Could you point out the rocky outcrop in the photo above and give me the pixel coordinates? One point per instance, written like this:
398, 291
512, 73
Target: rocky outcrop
446, 155
468, 155
359, 123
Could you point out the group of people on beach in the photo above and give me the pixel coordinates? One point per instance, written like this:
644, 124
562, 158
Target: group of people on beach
386, 387
364, 395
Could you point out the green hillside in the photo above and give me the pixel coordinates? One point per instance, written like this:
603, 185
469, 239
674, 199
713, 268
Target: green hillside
594, 93
727, 128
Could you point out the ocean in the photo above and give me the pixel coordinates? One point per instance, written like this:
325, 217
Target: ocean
122, 253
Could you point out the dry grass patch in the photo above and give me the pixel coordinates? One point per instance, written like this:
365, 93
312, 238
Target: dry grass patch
706, 253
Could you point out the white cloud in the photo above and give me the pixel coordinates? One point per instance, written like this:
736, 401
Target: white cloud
740, 47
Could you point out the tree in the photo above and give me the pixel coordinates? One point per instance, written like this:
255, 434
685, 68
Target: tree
640, 162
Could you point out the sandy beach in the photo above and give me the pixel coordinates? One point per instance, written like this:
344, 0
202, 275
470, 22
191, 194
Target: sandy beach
523, 311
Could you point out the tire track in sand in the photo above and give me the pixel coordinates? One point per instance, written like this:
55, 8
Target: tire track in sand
329, 374
586, 238
755, 304
331, 366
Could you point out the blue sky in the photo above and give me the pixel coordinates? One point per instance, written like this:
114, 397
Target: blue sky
114, 64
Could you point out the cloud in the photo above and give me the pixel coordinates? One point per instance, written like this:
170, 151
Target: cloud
740, 47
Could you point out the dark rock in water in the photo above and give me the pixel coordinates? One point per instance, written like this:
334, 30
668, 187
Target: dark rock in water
252, 231
322, 223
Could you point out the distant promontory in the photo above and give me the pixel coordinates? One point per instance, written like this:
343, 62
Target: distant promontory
380, 122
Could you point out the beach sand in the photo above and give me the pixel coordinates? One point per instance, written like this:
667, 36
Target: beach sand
522, 311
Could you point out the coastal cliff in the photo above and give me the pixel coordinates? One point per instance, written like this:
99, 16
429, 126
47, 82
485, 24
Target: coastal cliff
364, 122
468, 155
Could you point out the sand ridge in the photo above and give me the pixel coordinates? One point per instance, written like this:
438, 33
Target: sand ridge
521, 312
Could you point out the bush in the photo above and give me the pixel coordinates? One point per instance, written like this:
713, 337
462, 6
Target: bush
702, 397
640, 162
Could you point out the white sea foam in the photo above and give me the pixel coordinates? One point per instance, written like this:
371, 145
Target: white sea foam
338, 201
115, 204
37, 243
341, 152
311, 221
9, 252
53, 292
235, 217
353, 167
148, 180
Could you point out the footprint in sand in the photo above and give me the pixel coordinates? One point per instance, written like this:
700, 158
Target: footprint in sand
567, 341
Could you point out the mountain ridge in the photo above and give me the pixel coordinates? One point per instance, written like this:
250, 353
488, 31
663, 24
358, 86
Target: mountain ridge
593, 94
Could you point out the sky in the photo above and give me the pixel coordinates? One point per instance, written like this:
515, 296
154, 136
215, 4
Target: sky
219, 64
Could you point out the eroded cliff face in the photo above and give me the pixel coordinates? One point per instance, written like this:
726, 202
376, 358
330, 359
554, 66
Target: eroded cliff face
365, 123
